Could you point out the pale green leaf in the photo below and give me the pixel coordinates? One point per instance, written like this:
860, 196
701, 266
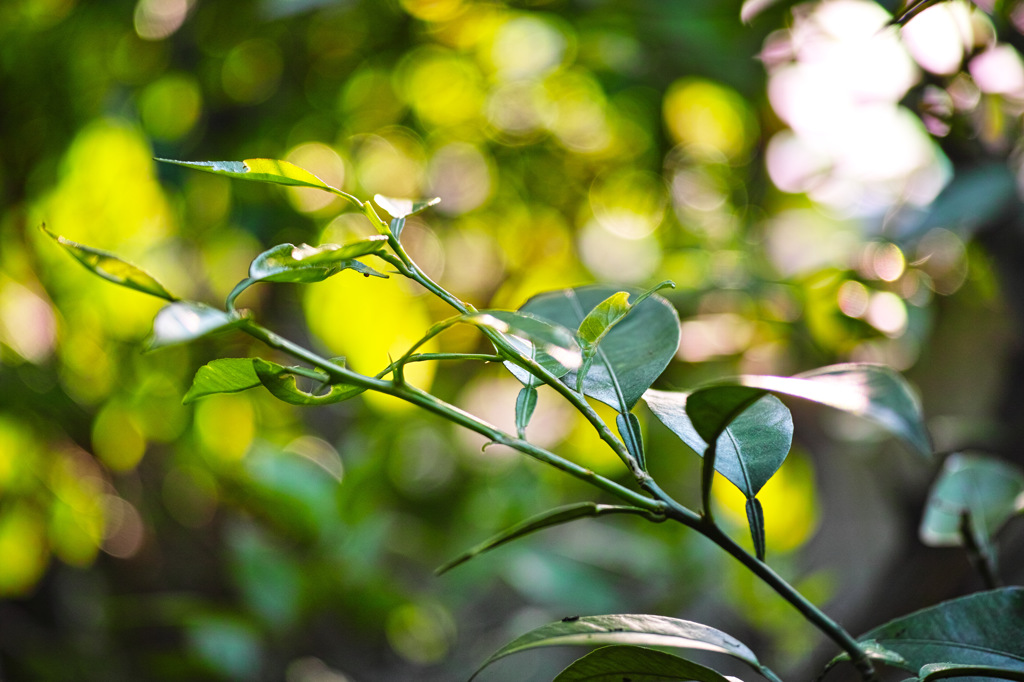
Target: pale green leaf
281, 382
403, 208
226, 375
186, 321
304, 263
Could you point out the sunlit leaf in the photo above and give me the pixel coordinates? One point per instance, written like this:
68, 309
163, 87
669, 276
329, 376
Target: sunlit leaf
113, 269
987, 489
526, 403
543, 520
552, 346
259, 170
225, 375
403, 208
187, 320
632, 354
281, 382
603, 317
289, 263
979, 629
642, 630
637, 664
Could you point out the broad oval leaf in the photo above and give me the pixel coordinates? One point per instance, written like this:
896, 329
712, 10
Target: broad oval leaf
281, 382
305, 263
403, 208
754, 444
225, 375
113, 269
270, 171
642, 630
631, 356
188, 320
979, 629
552, 517
988, 489
637, 664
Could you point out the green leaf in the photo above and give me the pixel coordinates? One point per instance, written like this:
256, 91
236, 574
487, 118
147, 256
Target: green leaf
403, 208
643, 630
755, 519
943, 671
526, 402
603, 317
188, 320
750, 449
980, 629
304, 263
637, 664
281, 382
629, 430
552, 346
226, 375
988, 490
259, 170
543, 520
632, 354
111, 268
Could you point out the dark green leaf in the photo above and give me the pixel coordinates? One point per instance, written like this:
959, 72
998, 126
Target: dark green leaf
637, 664
113, 269
631, 356
187, 320
403, 208
980, 629
289, 263
755, 519
259, 170
543, 520
281, 382
226, 375
526, 402
988, 489
750, 449
629, 430
943, 671
643, 630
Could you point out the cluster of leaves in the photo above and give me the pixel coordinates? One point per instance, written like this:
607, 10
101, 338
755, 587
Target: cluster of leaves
612, 345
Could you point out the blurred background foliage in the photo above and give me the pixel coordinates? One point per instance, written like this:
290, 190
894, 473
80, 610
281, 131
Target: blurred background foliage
821, 188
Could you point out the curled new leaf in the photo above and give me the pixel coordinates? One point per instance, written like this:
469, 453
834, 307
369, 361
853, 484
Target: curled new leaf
188, 320
281, 382
111, 268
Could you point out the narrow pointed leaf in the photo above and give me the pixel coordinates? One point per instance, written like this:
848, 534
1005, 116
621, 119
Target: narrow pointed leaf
186, 321
631, 355
642, 630
113, 269
987, 489
637, 664
750, 449
225, 375
980, 629
403, 208
281, 382
304, 263
526, 402
629, 430
259, 170
755, 519
543, 520
397, 225
945, 671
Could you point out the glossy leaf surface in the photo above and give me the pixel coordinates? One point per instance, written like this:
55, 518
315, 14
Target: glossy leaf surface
980, 629
630, 629
637, 664
403, 208
631, 356
304, 263
225, 375
988, 489
552, 346
754, 445
281, 382
113, 269
187, 320
259, 170
945, 671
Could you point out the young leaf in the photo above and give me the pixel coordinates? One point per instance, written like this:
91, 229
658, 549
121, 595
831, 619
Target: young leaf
979, 629
629, 430
987, 489
945, 671
603, 317
526, 403
637, 664
259, 170
750, 449
289, 263
188, 320
403, 208
111, 268
755, 519
226, 375
552, 346
632, 354
280, 381
543, 520
643, 630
